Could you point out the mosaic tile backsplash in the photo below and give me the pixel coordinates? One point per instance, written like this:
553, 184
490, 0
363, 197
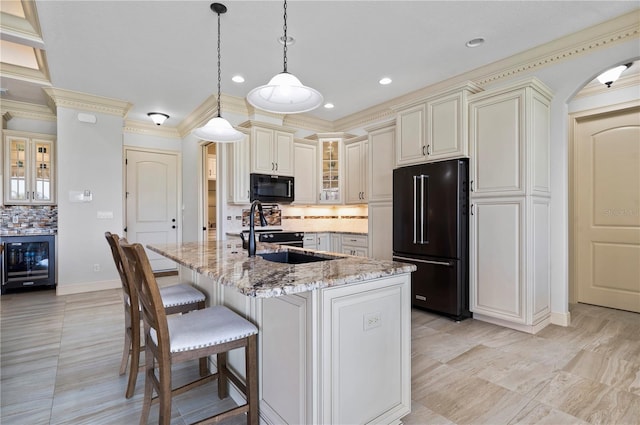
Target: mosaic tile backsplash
26, 220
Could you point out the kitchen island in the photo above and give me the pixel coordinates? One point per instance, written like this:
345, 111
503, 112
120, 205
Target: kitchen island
334, 342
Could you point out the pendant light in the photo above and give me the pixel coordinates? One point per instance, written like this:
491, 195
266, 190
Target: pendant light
285, 94
610, 76
218, 129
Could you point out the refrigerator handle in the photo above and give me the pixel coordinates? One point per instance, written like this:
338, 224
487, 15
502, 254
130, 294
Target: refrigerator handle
415, 206
422, 209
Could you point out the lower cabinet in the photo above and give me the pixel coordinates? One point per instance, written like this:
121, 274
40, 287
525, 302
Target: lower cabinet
317, 351
355, 245
310, 241
380, 235
509, 262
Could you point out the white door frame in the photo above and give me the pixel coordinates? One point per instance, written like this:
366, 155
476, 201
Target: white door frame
221, 190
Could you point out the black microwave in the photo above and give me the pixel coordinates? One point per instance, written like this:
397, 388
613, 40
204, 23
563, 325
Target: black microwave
273, 189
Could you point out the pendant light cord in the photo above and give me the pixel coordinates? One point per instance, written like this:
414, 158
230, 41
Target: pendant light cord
285, 35
219, 73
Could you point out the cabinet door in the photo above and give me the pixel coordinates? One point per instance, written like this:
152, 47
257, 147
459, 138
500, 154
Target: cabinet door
497, 278
497, 149
330, 172
323, 242
43, 188
380, 235
336, 242
283, 153
446, 136
380, 165
211, 167
410, 129
354, 163
238, 168
262, 151
310, 241
305, 173
17, 163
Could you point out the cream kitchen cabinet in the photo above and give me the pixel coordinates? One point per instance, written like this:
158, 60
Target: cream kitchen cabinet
310, 240
271, 148
380, 237
305, 172
212, 167
330, 167
411, 146
509, 211
238, 172
355, 153
29, 165
434, 128
355, 245
336, 242
324, 242
380, 162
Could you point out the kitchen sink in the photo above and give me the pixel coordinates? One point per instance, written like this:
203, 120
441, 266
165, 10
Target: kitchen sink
291, 257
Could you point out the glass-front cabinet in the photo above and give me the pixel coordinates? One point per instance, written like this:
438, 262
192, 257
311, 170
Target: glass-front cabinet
330, 166
29, 165
331, 171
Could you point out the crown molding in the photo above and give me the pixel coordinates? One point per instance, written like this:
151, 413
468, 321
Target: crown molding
615, 31
149, 129
14, 109
380, 126
86, 102
308, 122
618, 30
21, 73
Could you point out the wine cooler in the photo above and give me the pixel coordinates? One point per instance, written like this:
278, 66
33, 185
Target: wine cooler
28, 261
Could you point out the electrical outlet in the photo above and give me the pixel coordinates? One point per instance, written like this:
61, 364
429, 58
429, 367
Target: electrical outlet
372, 320
15, 219
96, 267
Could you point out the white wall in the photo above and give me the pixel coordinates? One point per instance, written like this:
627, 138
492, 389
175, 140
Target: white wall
89, 157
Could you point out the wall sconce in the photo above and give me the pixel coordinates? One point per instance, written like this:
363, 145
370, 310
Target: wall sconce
610, 76
158, 117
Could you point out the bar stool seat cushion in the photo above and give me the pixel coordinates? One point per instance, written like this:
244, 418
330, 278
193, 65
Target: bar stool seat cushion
180, 294
204, 328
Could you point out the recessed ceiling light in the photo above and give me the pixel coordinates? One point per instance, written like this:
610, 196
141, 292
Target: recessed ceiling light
384, 81
290, 40
237, 79
328, 105
475, 42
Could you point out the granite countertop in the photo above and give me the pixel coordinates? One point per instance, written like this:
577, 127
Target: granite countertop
257, 277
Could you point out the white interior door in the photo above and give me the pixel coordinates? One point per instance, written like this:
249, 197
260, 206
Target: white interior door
152, 202
607, 213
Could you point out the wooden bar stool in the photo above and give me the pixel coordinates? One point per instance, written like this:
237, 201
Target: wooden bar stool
173, 339
180, 298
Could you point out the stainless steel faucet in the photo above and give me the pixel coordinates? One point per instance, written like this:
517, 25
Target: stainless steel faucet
252, 230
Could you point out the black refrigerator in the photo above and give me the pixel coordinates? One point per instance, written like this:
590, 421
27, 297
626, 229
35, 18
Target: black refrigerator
431, 230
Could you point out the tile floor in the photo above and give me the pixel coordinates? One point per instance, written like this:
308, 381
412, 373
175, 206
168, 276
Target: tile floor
60, 359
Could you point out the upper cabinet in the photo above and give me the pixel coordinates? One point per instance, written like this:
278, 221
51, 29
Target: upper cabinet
381, 161
238, 172
355, 153
305, 171
509, 141
30, 168
271, 148
435, 128
331, 171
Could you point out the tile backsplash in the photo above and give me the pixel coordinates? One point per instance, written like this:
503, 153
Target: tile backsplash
23, 219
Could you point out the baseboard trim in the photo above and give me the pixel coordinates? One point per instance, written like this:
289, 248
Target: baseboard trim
531, 329
561, 319
79, 288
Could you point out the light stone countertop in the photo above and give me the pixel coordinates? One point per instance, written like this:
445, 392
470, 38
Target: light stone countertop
257, 277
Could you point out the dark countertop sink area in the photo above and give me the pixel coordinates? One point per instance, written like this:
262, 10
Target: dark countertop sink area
291, 257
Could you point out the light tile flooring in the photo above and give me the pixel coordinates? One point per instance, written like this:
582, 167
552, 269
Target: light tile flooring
60, 359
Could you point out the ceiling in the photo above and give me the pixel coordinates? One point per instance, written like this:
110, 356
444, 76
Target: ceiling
161, 55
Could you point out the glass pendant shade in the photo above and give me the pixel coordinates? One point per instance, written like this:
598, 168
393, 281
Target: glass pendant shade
218, 130
285, 94
610, 76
